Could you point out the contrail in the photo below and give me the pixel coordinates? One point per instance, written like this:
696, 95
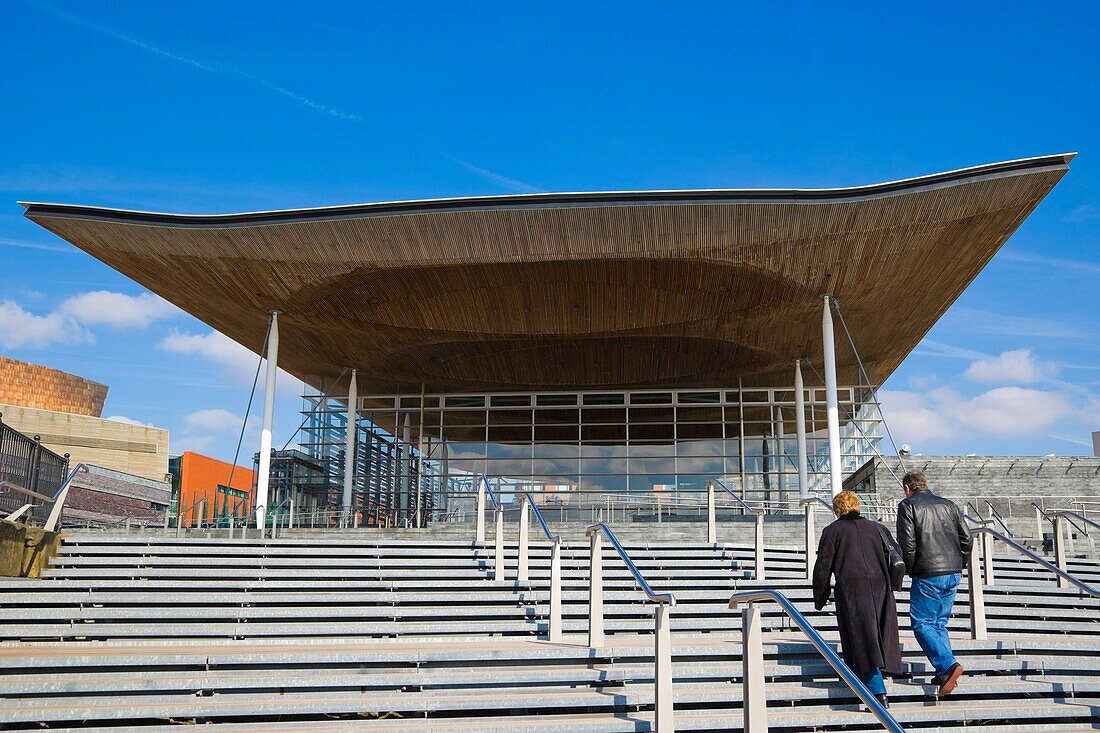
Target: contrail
4, 242
496, 178
226, 71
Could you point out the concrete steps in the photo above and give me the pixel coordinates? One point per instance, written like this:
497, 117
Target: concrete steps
413, 633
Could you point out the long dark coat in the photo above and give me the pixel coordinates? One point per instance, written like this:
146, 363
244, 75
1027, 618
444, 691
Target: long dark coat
851, 549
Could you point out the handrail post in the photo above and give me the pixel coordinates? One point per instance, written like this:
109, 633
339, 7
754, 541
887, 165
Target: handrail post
479, 531
987, 558
759, 573
712, 528
521, 571
1060, 549
498, 560
662, 669
811, 545
555, 590
754, 701
595, 592
1038, 522
978, 630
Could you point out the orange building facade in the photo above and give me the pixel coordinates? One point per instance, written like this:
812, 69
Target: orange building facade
201, 477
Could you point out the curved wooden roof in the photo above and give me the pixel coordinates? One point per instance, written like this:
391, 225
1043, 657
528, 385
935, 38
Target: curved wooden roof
579, 290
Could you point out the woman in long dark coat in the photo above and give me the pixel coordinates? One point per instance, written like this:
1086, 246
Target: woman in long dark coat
852, 550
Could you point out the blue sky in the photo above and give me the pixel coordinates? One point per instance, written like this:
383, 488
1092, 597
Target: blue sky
207, 106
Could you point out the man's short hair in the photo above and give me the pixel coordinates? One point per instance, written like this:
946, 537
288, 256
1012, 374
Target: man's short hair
845, 502
915, 481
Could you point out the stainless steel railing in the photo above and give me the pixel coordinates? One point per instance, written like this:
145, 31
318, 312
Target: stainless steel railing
662, 636
752, 660
978, 627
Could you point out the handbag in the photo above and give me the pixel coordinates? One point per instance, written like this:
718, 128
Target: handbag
895, 564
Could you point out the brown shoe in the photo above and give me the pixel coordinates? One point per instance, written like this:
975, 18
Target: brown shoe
951, 679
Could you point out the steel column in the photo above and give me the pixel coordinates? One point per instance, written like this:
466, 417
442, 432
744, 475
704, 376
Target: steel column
800, 431
349, 447
832, 408
263, 476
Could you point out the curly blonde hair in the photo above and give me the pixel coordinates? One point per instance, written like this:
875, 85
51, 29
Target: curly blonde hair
845, 502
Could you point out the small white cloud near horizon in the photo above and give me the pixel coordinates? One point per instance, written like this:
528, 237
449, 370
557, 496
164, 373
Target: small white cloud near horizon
129, 421
117, 310
1019, 366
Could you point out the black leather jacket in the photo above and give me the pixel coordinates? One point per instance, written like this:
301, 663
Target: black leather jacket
933, 536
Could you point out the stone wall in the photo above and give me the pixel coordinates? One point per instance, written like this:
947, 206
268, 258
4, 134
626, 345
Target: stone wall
104, 496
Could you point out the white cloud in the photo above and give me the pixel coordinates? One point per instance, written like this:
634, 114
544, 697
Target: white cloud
214, 421
1011, 367
20, 328
238, 362
196, 443
128, 421
941, 415
117, 310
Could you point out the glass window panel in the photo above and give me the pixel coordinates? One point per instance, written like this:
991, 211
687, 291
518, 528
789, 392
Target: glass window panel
554, 467
650, 482
603, 415
510, 434
563, 416
698, 414
556, 399
463, 465
652, 431
693, 483
711, 465
606, 484
464, 434
510, 417
651, 398
652, 465
465, 401
609, 398
652, 450
651, 414
603, 465
699, 397
557, 450
410, 402
557, 433
698, 431
510, 400
603, 433
464, 417
700, 448
508, 450
604, 450
508, 467
756, 396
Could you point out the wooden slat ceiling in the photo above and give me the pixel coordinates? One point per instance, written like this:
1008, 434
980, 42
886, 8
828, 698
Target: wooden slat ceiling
566, 291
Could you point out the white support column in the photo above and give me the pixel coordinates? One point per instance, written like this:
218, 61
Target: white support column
406, 470
978, 630
479, 518
555, 590
712, 525
349, 448
595, 592
498, 560
781, 454
521, 571
800, 431
263, 476
832, 407
759, 573
811, 541
1060, 549
662, 670
754, 701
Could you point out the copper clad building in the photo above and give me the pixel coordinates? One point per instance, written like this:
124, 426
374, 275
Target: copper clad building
592, 341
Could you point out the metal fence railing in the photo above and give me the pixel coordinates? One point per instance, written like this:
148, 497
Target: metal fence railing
29, 473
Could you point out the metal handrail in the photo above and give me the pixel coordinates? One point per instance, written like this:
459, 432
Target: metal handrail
1082, 585
816, 500
653, 596
994, 514
843, 670
1068, 515
22, 490
489, 491
743, 504
538, 515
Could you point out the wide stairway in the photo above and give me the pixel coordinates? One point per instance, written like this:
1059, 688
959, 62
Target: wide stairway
363, 630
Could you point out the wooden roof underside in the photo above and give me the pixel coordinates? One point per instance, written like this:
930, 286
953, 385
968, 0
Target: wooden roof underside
566, 291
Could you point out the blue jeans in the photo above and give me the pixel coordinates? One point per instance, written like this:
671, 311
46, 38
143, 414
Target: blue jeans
930, 602
874, 681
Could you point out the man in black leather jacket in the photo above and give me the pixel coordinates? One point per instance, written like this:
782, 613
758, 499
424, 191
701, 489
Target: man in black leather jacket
935, 543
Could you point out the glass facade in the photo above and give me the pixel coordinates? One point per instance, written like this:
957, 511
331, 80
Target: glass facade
588, 444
